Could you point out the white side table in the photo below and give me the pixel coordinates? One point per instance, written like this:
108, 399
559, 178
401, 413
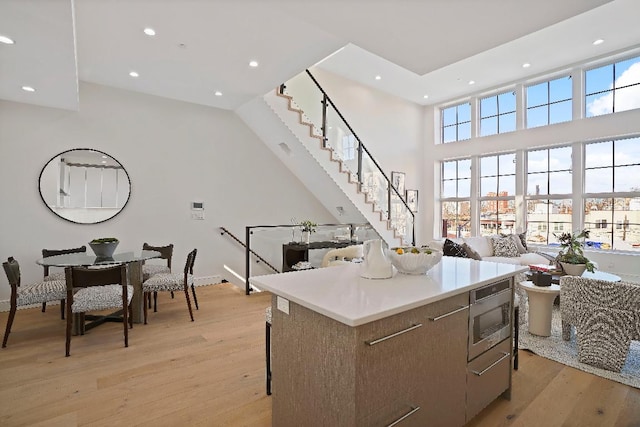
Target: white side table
540, 306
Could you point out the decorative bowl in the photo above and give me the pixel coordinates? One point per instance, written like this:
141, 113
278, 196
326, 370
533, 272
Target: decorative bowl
104, 249
412, 260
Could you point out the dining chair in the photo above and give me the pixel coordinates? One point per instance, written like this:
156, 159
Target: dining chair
36, 293
148, 270
94, 289
165, 282
58, 275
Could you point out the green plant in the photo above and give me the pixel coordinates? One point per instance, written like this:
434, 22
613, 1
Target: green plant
571, 252
104, 240
307, 225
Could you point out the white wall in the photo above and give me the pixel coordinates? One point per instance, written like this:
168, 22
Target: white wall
174, 152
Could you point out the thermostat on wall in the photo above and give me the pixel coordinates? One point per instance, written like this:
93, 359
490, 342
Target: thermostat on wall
197, 206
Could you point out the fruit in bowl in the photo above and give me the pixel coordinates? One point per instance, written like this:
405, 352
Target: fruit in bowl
414, 260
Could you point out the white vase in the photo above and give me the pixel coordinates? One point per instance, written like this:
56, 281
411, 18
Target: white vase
573, 269
306, 236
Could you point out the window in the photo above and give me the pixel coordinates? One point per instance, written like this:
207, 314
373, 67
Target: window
612, 193
498, 114
549, 194
456, 195
456, 123
549, 102
497, 194
613, 88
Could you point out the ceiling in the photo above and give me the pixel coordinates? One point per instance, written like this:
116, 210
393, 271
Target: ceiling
417, 47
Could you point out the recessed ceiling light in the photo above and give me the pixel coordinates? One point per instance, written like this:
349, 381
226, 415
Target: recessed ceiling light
134, 74
597, 42
526, 65
253, 64
426, 97
471, 82
6, 40
150, 31
28, 89
378, 77
218, 93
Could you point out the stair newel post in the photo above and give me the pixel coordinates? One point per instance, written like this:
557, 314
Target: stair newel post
324, 120
389, 189
281, 88
247, 285
360, 179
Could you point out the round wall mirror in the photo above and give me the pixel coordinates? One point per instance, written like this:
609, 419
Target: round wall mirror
84, 186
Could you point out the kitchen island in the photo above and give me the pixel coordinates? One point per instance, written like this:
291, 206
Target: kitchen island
348, 351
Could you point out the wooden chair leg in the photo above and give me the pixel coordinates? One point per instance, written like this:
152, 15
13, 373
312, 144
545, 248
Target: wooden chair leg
125, 319
12, 314
195, 299
148, 299
44, 307
186, 294
68, 337
62, 304
171, 294
155, 302
146, 295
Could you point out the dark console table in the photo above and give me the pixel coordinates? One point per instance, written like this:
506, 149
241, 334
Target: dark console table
294, 252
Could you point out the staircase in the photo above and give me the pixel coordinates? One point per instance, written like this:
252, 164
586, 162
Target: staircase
322, 148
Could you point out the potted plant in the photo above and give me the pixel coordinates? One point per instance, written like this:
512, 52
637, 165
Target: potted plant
308, 227
104, 247
571, 257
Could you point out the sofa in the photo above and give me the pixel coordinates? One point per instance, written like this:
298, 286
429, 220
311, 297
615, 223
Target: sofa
510, 249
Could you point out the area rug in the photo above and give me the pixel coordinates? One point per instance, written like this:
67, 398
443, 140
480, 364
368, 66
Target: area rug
566, 352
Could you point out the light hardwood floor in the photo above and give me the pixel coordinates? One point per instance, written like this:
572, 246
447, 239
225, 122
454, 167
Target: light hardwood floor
211, 373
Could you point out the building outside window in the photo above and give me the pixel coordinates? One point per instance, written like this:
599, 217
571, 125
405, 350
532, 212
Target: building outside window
612, 194
613, 88
549, 102
456, 123
498, 114
497, 194
456, 198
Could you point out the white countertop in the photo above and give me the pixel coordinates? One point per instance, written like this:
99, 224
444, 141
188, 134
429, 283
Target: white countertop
341, 294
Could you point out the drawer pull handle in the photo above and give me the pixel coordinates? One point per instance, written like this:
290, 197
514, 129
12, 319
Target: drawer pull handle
505, 355
379, 340
408, 414
462, 308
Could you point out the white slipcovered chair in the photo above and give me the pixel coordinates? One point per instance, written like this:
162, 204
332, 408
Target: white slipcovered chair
341, 256
606, 317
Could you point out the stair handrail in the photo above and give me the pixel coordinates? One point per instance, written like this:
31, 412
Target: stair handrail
249, 250
362, 147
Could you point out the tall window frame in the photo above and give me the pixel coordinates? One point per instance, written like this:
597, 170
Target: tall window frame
455, 197
612, 87
549, 193
549, 102
455, 123
498, 113
497, 177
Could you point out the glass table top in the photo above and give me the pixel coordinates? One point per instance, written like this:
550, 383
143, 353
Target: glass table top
83, 259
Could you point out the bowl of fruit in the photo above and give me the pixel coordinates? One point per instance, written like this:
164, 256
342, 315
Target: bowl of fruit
414, 260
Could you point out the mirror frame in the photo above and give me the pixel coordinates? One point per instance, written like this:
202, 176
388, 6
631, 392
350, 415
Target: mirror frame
83, 149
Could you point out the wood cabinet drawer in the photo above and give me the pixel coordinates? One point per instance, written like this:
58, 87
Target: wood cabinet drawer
487, 377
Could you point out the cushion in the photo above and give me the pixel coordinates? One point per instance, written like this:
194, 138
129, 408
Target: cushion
518, 242
149, 270
451, 248
58, 275
470, 252
523, 240
96, 298
504, 247
51, 290
481, 244
166, 282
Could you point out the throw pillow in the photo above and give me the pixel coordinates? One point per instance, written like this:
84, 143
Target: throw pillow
451, 248
504, 247
518, 242
471, 253
523, 240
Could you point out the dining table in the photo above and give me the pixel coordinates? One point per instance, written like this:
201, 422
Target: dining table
134, 261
